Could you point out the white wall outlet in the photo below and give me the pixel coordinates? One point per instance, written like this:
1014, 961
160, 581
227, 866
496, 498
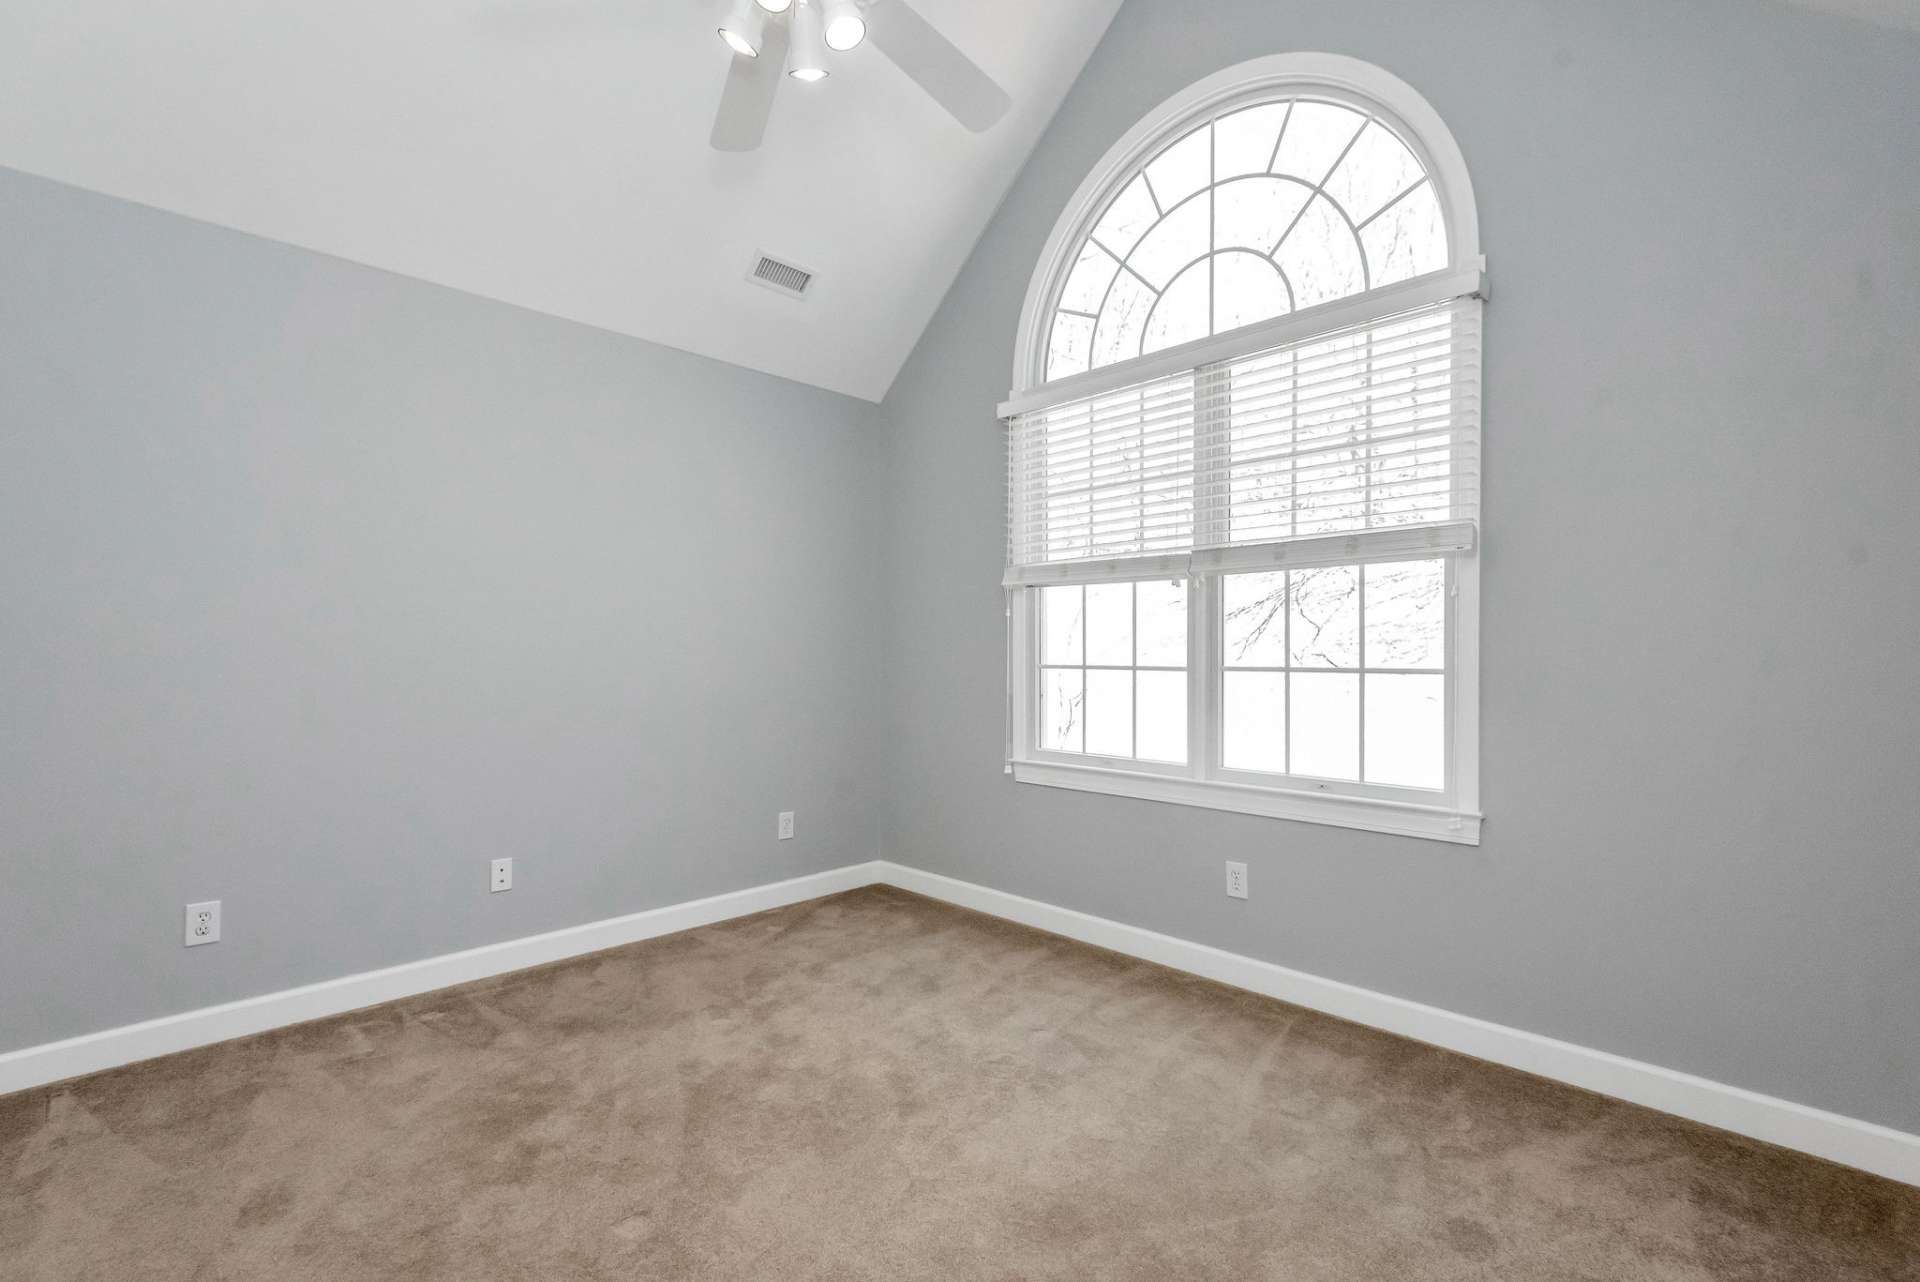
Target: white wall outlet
502, 876
203, 923
1236, 880
786, 825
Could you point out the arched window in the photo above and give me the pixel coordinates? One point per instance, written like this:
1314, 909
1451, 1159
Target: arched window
1259, 211
1243, 461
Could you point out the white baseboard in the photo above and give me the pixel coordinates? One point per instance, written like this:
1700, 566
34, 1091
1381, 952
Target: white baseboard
1849, 1141
56, 1061
1870, 1147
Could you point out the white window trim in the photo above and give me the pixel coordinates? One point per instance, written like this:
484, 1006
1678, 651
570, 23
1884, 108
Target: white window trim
1201, 782
1371, 814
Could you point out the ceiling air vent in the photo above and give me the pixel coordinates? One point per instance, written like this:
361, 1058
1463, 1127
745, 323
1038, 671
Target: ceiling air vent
784, 277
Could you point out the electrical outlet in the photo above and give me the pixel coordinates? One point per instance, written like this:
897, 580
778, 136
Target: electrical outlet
786, 825
502, 876
1236, 880
203, 923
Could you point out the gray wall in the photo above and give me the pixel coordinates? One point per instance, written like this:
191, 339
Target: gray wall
320, 588
1701, 703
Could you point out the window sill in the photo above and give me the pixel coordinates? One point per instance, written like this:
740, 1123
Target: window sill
1435, 823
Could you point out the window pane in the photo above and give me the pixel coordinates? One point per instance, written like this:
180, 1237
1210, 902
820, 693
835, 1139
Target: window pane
1377, 169
1407, 615
1243, 142
1324, 721
1071, 346
1122, 320
1255, 734
1410, 239
1181, 314
1162, 716
1060, 700
1163, 624
1406, 730
1254, 213
1326, 617
1254, 610
1127, 218
1316, 134
1246, 289
1320, 256
1110, 623
1110, 713
1086, 286
1063, 624
1183, 168
1182, 236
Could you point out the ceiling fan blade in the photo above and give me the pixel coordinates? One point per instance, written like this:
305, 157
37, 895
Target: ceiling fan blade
956, 83
747, 100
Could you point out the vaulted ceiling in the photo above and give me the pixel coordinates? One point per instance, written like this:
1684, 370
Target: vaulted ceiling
551, 153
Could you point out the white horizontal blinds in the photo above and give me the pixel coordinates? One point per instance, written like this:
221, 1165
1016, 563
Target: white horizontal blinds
1357, 442
1346, 441
1104, 478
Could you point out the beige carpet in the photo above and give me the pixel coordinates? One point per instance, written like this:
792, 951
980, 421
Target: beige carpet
876, 1086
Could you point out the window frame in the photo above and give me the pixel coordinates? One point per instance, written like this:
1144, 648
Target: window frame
1448, 814
1215, 729
1036, 606
1452, 814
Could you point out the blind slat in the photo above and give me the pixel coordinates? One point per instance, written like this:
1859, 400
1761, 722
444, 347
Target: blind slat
1368, 436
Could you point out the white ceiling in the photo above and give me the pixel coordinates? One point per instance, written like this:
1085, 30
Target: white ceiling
550, 153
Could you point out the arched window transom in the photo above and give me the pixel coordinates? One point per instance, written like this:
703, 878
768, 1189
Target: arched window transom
1259, 211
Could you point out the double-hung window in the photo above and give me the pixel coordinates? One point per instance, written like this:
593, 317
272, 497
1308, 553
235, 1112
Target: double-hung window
1243, 478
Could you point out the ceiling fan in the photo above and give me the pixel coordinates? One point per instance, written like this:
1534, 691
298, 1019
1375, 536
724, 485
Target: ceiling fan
771, 37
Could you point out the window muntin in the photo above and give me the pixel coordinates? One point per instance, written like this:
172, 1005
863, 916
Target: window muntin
1337, 673
1327, 677
1113, 671
1255, 213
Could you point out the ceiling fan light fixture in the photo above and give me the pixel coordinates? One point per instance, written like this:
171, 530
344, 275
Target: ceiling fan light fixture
775, 6
845, 27
808, 61
742, 28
